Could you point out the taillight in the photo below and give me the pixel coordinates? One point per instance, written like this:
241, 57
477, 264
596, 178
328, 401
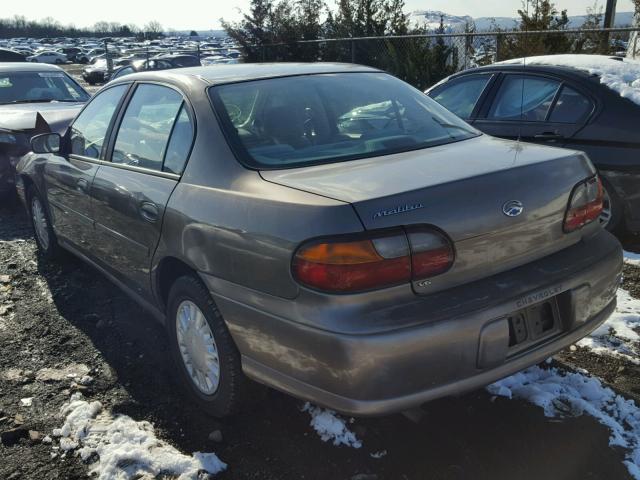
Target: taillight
372, 260
585, 204
431, 253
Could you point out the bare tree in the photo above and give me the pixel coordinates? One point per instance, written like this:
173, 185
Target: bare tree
153, 29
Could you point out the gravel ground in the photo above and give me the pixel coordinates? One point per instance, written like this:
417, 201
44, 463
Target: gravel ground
66, 315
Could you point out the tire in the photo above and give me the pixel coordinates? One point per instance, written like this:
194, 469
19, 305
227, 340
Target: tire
43, 233
613, 213
58, 61
230, 393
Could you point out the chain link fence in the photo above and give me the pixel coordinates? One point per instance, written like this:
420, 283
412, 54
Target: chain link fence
423, 60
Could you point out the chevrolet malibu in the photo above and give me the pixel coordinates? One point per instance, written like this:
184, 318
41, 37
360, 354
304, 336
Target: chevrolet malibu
326, 230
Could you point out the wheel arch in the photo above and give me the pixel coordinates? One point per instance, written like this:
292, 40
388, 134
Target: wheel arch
166, 272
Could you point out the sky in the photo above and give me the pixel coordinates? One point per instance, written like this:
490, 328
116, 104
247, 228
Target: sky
199, 14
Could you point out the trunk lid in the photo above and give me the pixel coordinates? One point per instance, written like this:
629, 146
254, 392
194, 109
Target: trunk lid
460, 188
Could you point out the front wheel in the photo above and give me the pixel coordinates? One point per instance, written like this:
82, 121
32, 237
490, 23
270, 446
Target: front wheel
205, 356
58, 61
44, 234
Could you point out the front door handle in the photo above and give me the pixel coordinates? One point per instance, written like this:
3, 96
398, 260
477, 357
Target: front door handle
549, 136
149, 211
83, 185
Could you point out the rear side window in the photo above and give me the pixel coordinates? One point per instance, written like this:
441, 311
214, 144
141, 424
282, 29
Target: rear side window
146, 126
571, 107
461, 95
179, 144
525, 98
90, 128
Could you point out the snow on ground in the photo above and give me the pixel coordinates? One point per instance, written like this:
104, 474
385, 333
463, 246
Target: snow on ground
632, 258
621, 76
617, 336
117, 447
562, 393
331, 427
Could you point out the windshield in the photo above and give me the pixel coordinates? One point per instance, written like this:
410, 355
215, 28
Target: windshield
296, 121
27, 87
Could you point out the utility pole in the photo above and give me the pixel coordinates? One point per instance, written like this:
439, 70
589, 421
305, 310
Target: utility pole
609, 22
633, 49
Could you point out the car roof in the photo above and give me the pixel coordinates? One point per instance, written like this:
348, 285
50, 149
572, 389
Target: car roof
552, 69
28, 67
230, 73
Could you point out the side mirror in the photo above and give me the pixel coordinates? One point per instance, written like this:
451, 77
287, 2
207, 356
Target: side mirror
46, 143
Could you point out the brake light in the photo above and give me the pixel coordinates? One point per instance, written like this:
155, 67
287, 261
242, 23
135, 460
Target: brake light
585, 204
372, 261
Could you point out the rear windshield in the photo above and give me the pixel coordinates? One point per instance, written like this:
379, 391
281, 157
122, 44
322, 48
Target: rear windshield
296, 121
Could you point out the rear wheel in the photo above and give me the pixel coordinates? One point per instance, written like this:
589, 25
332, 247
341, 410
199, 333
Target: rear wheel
44, 235
611, 208
205, 357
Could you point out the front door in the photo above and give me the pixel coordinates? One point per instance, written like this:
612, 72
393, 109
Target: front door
130, 193
68, 176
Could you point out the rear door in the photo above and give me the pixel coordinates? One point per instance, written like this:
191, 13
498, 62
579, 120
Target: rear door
146, 156
68, 177
535, 108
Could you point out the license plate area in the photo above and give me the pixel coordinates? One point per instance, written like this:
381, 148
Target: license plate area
533, 324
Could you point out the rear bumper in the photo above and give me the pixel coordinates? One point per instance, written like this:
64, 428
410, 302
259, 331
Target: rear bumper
455, 344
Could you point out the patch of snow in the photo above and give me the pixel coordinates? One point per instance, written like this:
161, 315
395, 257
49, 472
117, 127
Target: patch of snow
617, 336
331, 427
562, 393
632, 258
26, 402
621, 76
118, 447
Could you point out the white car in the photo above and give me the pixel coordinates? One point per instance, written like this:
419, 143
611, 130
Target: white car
48, 57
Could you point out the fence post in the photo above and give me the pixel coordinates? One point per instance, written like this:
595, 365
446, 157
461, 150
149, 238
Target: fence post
498, 46
353, 51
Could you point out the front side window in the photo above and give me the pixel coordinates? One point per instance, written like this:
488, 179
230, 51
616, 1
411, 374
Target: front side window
146, 126
89, 130
26, 87
461, 95
524, 98
309, 119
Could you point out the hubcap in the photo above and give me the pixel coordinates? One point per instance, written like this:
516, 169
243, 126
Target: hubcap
197, 347
40, 222
605, 215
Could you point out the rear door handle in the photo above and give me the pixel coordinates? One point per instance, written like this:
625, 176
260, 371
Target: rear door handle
149, 211
548, 136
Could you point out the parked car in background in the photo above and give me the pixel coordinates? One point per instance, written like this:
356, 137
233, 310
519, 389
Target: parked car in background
562, 101
33, 99
71, 53
161, 62
97, 72
87, 56
7, 55
277, 238
48, 57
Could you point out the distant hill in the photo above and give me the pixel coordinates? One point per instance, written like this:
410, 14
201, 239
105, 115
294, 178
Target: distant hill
456, 23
